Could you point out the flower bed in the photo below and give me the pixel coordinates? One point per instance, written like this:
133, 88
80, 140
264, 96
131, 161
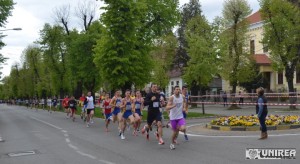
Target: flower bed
271, 120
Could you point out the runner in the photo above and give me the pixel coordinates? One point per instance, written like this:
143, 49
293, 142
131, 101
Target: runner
89, 109
176, 105
49, 104
65, 103
82, 101
138, 107
107, 111
127, 105
153, 100
116, 110
72, 105
185, 109
54, 103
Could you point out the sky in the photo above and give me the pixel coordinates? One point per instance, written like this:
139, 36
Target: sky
31, 15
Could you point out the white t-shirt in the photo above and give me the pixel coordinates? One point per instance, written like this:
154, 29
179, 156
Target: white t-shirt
90, 104
176, 112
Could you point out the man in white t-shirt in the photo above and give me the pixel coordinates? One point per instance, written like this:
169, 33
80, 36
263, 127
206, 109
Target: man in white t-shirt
176, 105
90, 107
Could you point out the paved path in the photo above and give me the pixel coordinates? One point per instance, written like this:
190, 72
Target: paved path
57, 140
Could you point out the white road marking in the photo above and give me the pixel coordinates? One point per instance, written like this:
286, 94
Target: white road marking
87, 155
73, 147
68, 140
247, 136
47, 123
64, 131
106, 162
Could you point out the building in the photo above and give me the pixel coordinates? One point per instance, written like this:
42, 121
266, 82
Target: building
176, 79
276, 81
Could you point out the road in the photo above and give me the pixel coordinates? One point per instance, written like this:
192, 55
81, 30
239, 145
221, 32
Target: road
57, 140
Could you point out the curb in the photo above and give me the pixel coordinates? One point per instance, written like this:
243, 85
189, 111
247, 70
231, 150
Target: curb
251, 128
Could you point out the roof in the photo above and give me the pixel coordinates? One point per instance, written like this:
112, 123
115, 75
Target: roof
262, 59
254, 18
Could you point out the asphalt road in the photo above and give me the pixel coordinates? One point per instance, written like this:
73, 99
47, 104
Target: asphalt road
57, 140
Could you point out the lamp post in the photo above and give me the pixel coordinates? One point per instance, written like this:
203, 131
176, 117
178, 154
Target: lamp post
15, 29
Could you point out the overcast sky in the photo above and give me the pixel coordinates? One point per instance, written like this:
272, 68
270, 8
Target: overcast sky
31, 15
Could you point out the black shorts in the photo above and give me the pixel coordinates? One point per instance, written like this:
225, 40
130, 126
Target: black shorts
153, 116
88, 111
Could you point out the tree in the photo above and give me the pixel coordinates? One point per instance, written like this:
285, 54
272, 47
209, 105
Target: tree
202, 66
282, 35
188, 11
81, 55
6, 7
163, 56
123, 53
233, 42
54, 48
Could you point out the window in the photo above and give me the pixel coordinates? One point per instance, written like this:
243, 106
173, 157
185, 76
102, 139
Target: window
298, 75
177, 83
280, 77
252, 47
172, 83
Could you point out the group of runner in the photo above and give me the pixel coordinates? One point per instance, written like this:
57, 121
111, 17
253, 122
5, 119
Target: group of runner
127, 111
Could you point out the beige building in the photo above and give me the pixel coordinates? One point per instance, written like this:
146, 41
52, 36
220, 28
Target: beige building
275, 80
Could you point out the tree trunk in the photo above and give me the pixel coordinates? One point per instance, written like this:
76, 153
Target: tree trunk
194, 92
290, 78
232, 97
78, 91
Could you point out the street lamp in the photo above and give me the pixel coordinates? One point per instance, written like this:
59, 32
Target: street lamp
16, 29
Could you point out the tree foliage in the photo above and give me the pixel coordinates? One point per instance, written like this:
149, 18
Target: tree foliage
202, 66
187, 12
282, 35
233, 42
123, 53
6, 7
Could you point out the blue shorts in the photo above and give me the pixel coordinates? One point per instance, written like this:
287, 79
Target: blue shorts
127, 114
184, 115
138, 111
116, 111
108, 116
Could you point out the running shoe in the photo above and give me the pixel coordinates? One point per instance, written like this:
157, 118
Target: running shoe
186, 137
87, 125
120, 132
122, 136
81, 117
161, 142
73, 119
172, 146
92, 121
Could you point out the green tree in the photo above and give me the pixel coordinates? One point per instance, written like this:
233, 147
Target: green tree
6, 7
123, 53
203, 65
54, 48
233, 42
81, 56
163, 56
282, 35
187, 12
